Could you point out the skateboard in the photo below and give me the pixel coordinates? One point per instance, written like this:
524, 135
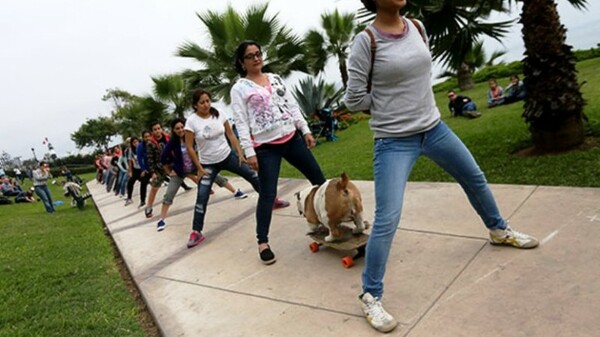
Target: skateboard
347, 242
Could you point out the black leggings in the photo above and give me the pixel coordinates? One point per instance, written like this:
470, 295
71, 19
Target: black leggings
136, 175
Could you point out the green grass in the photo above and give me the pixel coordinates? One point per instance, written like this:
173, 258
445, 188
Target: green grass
58, 275
493, 139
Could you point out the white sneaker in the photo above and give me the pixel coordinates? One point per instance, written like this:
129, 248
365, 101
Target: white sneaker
376, 315
510, 237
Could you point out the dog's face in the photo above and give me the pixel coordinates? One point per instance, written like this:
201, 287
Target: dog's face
301, 199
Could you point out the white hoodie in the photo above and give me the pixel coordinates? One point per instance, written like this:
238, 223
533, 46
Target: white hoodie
262, 115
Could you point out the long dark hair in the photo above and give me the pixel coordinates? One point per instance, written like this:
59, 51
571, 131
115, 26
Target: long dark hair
369, 5
175, 122
239, 56
131, 142
196, 97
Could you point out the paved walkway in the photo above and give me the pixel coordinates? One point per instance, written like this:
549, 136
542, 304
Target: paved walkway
443, 278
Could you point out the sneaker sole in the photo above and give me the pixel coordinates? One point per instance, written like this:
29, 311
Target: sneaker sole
508, 244
242, 197
196, 242
268, 262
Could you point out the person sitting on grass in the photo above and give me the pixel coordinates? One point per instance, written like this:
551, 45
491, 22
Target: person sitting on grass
495, 94
66, 173
515, 90
8, 189
25, 196
462, 106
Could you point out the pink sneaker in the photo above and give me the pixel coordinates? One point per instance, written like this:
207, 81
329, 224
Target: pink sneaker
280, 203
195, 239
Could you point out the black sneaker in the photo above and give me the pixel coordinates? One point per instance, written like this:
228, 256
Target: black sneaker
267, 257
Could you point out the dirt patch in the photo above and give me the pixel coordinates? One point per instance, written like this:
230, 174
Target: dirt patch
589, 143
144, 316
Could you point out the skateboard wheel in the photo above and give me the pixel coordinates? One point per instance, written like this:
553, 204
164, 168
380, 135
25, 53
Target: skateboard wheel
314, 247
347, 262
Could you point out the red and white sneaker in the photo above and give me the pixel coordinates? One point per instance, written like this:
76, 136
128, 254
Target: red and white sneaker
195, 239
280, 203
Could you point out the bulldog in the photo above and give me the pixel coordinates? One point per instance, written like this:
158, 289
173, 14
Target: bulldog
336, 201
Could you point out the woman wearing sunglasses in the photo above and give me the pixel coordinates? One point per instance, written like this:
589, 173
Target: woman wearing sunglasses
270, 127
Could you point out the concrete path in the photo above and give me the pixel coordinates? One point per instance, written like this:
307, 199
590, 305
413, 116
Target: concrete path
443, 278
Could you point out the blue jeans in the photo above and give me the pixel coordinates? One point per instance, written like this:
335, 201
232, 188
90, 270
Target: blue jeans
469, 106
269, 158
232, 164
44, 193
393, 160
122, 183
109, 179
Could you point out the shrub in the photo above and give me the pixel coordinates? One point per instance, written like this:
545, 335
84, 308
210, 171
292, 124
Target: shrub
586, 54
498, 71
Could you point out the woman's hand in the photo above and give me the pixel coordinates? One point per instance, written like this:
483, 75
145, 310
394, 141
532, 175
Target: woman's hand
253, 163
310, 140
201, 171
194, 178
241, 159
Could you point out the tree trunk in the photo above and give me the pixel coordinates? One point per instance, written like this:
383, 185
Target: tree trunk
465, 78
343, 71
569, 135
554, 104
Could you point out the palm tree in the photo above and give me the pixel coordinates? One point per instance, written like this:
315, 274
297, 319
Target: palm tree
313, 97
173, 90
339, 30
283, 50
554, 104
474, 60
453, 27
133, 114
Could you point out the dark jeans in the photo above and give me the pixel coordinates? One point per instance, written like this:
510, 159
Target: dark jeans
44, 194
136, 176
231, 163
269, 158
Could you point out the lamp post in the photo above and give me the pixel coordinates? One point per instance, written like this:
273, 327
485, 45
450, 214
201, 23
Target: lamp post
34, 157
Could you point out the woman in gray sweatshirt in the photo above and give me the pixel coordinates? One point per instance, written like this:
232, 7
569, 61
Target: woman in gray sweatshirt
40, 176
396, 87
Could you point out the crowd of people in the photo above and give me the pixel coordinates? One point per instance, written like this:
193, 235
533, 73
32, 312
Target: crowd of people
270, 127
12, 187
460, 105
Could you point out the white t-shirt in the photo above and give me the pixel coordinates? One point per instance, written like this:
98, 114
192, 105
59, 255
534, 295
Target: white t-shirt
210, 137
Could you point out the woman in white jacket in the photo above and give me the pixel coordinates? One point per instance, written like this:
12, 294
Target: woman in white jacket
270, 127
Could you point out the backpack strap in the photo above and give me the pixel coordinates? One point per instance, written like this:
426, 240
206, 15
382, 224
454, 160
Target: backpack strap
373, 49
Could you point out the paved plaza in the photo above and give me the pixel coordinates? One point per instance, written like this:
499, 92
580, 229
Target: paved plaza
443, 278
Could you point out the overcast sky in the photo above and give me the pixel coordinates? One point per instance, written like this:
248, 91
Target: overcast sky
57, 58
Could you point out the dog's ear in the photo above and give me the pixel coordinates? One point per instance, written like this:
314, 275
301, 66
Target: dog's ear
297, 195
343, 183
